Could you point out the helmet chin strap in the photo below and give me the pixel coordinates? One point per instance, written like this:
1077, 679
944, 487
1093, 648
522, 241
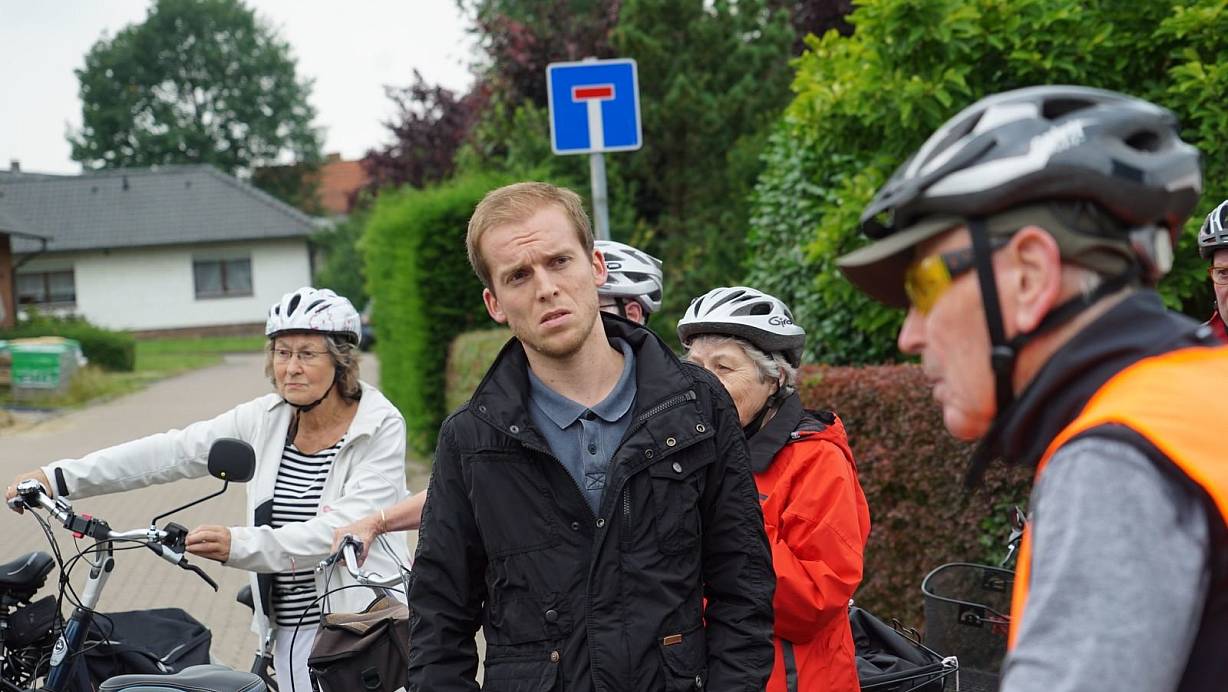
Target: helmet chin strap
300, 409
1004, 352
757, 422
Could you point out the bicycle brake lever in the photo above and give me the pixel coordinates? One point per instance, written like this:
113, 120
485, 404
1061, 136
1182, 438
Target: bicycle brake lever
199, 572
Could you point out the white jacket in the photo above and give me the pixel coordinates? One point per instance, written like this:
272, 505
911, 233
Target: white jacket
368, 474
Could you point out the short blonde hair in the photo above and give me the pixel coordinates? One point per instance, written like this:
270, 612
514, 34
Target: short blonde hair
515, 203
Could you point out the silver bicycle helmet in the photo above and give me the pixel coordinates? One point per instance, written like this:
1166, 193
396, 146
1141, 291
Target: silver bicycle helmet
1039, 144
632, 274
1213, 235
761, 319
314, 310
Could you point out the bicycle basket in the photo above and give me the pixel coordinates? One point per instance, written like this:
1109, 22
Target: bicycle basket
889, 659
967, 614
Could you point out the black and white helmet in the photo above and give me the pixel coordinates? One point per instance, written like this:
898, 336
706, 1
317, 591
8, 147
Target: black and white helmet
1213, 235
1047, 143
314, 310
632, 274
753, 315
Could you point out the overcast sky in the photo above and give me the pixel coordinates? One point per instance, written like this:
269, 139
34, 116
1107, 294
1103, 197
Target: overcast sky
351, 49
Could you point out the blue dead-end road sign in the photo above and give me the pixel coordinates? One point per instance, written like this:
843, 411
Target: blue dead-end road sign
594, 106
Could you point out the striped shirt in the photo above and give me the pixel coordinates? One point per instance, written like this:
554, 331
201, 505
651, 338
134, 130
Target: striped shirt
296, 497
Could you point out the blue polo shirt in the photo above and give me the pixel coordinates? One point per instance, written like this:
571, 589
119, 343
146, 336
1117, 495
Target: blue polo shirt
584, 438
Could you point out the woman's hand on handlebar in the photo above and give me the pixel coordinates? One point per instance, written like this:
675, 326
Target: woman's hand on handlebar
11, 491
365, 530
211, 542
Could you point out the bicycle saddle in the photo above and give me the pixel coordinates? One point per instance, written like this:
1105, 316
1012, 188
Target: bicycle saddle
26, 573
194, 679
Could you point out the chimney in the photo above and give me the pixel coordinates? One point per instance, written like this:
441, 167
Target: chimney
14, 165
333, 157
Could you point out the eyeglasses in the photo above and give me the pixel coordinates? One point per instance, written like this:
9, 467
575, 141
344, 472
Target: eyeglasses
283, 355
928, 278
1219, 275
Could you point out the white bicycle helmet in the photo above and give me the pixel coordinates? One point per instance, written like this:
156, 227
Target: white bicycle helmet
632, 274
1213, 235
761, 319
314, 310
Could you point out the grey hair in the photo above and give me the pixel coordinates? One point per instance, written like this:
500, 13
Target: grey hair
1083, 279
771, 366
345, 358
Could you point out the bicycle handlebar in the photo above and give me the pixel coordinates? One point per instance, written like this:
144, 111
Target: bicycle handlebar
167, 543
347, 553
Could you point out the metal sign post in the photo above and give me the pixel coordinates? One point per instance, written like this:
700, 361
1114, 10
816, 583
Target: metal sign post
594, 108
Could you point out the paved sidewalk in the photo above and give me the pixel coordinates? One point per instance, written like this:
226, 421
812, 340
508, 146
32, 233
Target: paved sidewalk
142, 580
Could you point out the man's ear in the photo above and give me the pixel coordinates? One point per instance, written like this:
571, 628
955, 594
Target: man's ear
492, 306
1037, 276
635, 311
600, 272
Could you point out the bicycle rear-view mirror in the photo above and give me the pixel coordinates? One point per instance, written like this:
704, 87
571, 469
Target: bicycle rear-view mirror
232, 460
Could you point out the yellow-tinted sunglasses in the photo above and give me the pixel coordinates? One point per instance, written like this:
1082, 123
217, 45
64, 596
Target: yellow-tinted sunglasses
928, 278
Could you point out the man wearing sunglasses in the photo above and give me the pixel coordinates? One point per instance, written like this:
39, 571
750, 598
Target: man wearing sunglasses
1213, 245
1023, 238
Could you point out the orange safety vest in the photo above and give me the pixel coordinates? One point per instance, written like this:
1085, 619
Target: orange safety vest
1172, 400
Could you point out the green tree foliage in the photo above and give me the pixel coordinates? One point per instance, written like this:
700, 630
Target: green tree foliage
342, 268
199, 81
863, 103
424, 292
713, 78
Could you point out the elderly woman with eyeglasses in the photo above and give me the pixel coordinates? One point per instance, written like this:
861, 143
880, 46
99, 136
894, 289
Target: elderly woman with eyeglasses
814, 511
329, 450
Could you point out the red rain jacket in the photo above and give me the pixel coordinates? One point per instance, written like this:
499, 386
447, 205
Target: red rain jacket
817, 523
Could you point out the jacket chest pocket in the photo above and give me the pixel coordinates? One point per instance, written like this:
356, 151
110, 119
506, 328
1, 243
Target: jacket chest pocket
677, 483
511, 503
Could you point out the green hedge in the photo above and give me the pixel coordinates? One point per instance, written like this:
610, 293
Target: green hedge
424, 293
864, 103
468, 360
911, 470
110, 350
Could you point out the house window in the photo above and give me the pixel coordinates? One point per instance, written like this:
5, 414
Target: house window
54, 288
223, 278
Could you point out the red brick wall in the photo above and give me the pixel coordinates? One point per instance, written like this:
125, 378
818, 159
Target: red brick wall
8, 304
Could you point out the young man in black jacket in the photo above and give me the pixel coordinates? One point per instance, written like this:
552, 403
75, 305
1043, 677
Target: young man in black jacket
592, 506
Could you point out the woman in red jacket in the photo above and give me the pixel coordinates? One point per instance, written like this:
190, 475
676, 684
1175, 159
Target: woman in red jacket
815, 513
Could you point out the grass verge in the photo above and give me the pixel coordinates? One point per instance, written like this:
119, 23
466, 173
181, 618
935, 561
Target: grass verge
156, 359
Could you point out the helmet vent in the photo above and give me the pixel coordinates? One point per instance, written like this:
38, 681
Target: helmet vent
759, 308
293, 304
1144, 140
315, 305
726, 299
1053, 109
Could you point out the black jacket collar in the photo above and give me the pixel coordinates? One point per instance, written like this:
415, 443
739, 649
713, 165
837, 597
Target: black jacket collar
786, 426
1137, 327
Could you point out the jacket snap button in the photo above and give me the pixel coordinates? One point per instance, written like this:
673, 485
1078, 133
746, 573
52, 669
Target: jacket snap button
600, 523
515, 429
677, 467
700, 428
554, 656
482, 408
575, 526
552, 615
649, 453
670, 442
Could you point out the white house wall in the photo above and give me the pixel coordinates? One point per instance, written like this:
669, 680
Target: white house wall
153, 288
